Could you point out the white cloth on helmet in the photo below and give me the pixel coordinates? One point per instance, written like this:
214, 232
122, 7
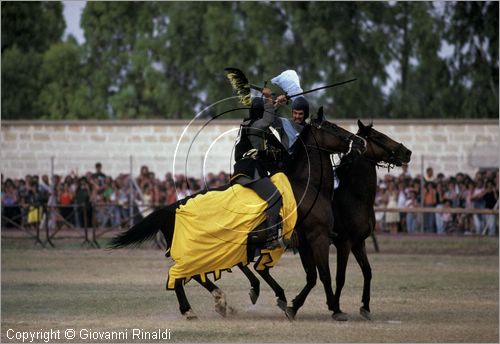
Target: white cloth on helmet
288, 81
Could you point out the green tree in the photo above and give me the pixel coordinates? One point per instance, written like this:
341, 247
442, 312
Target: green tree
473, 32
64, 93
424, 79
31, 25
28, 29
20, 84
112, 31
337, 41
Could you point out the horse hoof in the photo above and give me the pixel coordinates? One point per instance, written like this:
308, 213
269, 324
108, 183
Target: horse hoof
253, 296
341, 316
365, 313
290, 313
189, 315
220, 302
282, 305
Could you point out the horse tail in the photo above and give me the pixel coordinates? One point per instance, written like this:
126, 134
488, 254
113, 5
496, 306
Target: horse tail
145, 229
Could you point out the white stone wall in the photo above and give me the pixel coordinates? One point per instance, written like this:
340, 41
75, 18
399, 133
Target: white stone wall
199, 147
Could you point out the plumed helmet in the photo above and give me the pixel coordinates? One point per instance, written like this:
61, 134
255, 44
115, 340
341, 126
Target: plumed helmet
301, 103
257, 108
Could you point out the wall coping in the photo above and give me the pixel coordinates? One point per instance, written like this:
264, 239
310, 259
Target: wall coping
183, 122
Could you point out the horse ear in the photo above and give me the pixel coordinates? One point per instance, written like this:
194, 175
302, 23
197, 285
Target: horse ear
320, 116
361, 126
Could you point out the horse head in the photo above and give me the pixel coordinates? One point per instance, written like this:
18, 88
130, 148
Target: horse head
383, 148
332, 138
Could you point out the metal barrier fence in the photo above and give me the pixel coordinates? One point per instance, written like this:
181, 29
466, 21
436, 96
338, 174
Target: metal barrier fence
87, 222
476, 212
90, 222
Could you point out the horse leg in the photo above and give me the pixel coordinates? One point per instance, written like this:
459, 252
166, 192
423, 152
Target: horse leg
359, 252
375, 242
343, 250
278, 291
217, 293
254, 282
321, 259
184, 305
311, 277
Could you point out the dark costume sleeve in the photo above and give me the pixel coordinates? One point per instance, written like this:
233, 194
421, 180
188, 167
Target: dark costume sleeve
258, 128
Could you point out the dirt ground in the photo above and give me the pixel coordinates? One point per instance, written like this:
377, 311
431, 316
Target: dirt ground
424, 289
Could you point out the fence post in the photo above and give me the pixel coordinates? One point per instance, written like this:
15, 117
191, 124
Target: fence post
422, 188
131, 188
85, 224
38, 223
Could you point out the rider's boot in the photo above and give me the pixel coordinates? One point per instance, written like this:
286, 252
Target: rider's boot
275, 234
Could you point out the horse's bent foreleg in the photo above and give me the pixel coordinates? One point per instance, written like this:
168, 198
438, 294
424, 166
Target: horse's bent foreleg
254, 282
217, 293
278, 291
184, 306
359, 252
311, 277
343, 250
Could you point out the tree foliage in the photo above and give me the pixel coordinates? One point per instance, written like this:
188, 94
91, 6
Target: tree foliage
166, 59
28, 30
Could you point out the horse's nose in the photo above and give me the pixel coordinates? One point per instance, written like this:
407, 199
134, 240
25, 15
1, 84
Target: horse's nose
408, 154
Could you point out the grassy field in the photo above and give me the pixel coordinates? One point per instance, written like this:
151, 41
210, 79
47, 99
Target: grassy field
424, 289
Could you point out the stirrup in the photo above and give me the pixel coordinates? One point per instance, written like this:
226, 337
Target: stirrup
277, 243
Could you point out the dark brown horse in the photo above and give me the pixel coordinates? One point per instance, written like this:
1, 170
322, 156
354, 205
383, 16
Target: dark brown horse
353, 207
311, 178
354, 221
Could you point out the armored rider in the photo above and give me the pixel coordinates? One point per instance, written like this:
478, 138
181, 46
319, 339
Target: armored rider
257, 157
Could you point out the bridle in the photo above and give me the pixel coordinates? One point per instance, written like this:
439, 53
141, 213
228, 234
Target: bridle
331, 129
392, 159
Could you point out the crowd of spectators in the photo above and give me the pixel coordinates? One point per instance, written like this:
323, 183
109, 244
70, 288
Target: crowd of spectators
438, 191
95, 198
98, 199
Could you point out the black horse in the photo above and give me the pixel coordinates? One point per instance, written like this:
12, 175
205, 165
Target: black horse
353, 207
311, 178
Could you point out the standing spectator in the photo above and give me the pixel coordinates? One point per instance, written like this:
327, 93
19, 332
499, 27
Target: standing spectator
22, 200
34, 203
430, 201
143, 177
490, 198
478, 203
429, 174
451, 193
145, 205
438, 217
82, 201
105, 208
66, 200
412, 219
465, 222
402, 196
98, 175
119, 199
448, 218
171, 194
381, 202
183, 190
405, 174
10, 206
392, 218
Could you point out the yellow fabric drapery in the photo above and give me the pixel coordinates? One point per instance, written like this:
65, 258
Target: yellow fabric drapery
211, 230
